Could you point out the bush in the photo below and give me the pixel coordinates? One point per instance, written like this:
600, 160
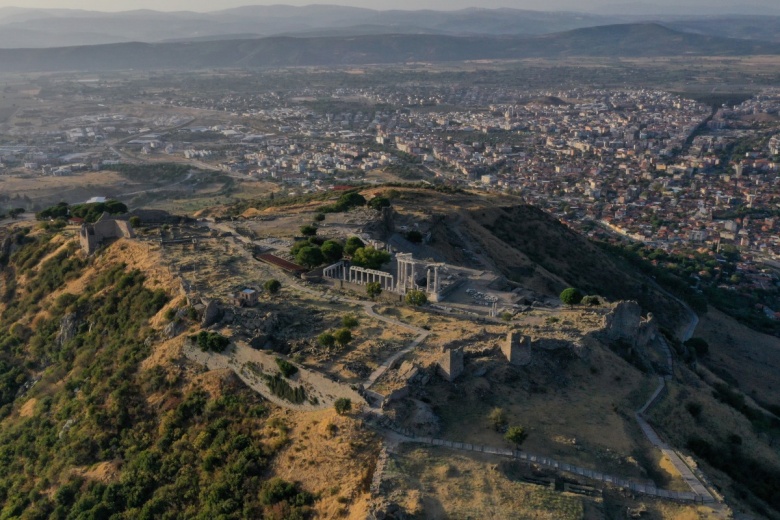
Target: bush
694, 409
343, 337
497, 419
343, 405
415, 237
701, 347
516, 435
281, 388
416, 298
326, 340
378, 203
210, 341
373, 289
272, 286
286, 368
591, 301
308, 231
350, 321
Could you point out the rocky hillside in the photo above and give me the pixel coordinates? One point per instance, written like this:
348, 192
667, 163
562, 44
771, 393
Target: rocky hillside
101, 416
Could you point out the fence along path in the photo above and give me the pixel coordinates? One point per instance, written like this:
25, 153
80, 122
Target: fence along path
645, 488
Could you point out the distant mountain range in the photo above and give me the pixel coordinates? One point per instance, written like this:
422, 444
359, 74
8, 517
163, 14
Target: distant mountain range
626, 40
40, 28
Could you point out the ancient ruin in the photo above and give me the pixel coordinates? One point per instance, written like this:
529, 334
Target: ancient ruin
92, 236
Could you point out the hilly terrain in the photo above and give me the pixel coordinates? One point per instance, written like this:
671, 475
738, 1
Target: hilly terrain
41, 28
133, 384
628, 40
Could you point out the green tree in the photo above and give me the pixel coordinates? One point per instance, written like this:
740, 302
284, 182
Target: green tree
497, 418
308, 230
326, 340
373, 289
571, 296
332, 251
343, 337
352, 245
272, 286
378, 203
13, 213
310, 256
370, 258
319, 217
350, 321
516, 435
343, 405
135, 221
414, 236
416, 298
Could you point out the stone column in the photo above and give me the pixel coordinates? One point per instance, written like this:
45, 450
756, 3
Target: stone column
428, 281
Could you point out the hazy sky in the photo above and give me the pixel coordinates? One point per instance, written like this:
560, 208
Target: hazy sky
211, 5
541, 5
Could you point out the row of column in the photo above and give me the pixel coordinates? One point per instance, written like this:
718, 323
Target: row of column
434, 283
365, 277
406, 274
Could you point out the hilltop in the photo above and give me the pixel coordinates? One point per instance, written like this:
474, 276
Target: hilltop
622, 40
162, 374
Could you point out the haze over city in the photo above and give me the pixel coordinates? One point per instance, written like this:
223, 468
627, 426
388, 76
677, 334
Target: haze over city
702, 7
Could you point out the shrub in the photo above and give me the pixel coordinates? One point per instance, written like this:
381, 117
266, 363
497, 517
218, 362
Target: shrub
272, 286
343, 337
343, 405
373, 289
694, 409
497, 419
210, 341
701, 347
415, 237
416, 298
326, 340
308, 231
286, 368
378, 203
350, 321
591, 301
516, 435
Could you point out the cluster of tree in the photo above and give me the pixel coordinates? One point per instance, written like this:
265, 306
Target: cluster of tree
347, 201
204, 457
286, 368
341, 337
209, 341
89, 212
281, 388
316, 251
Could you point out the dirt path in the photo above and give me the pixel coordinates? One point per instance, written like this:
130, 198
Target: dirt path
241, 357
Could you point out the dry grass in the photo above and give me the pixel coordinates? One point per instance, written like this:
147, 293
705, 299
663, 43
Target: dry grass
330, 455
444, 484
750, 357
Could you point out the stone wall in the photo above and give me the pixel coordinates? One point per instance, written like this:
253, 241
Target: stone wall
450, 363
625, 323
517, 349
92, 236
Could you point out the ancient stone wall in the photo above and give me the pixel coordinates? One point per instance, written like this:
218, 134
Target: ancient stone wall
450, 363
517, 349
